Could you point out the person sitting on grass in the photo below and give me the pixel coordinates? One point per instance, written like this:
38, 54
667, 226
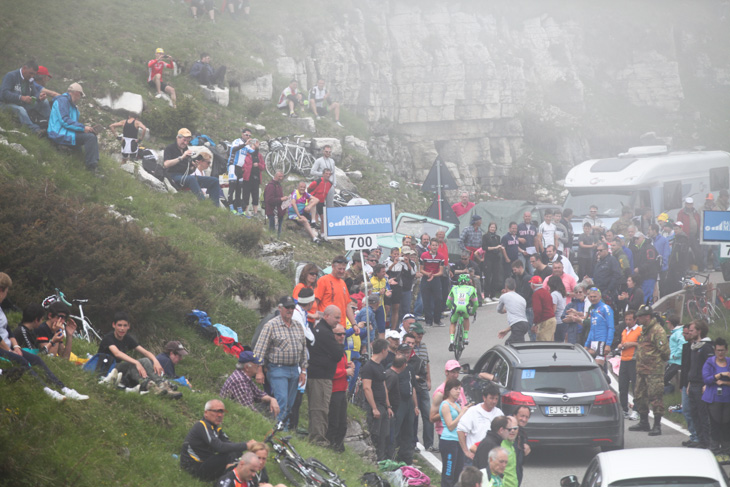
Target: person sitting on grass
290, 98
55, 335
207, 452
11, 351
243, 474
240, 384
154, 79
145, 372
64, 127
320, 188
261, 478
171, 356
300, 209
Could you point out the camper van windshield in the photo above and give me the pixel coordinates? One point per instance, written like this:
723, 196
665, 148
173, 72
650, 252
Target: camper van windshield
418, 226
609, 204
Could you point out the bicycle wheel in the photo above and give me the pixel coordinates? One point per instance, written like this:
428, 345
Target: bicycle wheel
693, 310
717, 314
325, 472
459, 338
296, 475
269, 160
305, 164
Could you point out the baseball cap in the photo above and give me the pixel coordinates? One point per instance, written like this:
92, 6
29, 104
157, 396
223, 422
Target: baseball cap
403, 348
639, 234
392, 334
678, 224
246, 356
408, 250
43, 71
417, 327
306, 296
76, 87
619, 236
475, 218
536, 280
287, 301
452, 364
159, 50
183, 132
176, 347
689, 199
408, 316
663, 217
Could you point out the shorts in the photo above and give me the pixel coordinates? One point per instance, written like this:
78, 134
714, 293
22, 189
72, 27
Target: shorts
285, 103
322, 110
163, 85
206, 4
320, 209
457, 312
300, 206
599, 347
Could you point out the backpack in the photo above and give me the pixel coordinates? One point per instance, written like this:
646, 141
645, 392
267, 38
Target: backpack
150, 164
372, 479
204, 326
229, 345
100, 364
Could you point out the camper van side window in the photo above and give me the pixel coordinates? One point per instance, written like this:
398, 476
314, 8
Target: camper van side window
672, 195
719, 178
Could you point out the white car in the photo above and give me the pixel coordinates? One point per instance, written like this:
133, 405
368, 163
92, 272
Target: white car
652, 467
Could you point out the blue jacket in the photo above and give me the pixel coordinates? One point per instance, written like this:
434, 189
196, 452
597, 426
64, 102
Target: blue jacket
630, 256
676, 340
601, 325
63, 124
709, 370
662, 247
12, 88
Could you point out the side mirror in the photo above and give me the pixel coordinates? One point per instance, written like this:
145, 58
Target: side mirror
569, 481
465, 369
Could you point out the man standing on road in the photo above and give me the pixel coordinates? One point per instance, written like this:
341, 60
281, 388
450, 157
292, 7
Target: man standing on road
627, 370
317, 171
646, 264
282, 347
471, 237
700, 350
526, 232
690, 219
475, 423
543, 310
652, 354
324, 355
373, 385
422, 389
499, 430
432, 268
545, 232
600, 336
514, 306
332, 289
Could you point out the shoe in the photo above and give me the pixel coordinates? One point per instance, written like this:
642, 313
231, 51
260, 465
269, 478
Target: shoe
690, 444
317, 240
675, 409
158, 95
170, 391
111, 377
292, 115
439, 324
232, 209
634, 416
72, 394
656, 430
643, 424
318, 117
627, 414
302, 431
154, 388
54, 394
339, 124
451, 347
432, 449
132, 389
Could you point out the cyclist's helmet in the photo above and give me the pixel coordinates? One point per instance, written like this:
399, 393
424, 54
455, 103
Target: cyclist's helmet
49, 301
464, 279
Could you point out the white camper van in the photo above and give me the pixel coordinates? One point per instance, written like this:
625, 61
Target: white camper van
648, 176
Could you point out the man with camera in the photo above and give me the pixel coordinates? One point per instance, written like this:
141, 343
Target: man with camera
156, 66
179, 162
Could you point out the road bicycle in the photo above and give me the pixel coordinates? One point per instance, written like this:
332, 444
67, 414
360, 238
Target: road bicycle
300, 472
459, 335
699, 303
284, 156
85, 330
342, 196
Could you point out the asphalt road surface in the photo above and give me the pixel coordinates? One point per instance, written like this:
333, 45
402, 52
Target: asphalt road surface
543, 467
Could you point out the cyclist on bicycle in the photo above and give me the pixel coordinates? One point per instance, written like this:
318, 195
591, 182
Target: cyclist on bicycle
462, 301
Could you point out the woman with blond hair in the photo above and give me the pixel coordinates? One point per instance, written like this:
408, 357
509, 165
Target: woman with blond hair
261, 478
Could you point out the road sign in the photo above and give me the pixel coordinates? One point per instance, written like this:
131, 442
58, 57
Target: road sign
725, 251
715, 226
349, 221
447, 214
361, 242
439, 175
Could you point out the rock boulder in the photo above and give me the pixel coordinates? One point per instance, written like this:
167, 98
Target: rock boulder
356, 145
128, 102
318, 144
261, 88
217, 95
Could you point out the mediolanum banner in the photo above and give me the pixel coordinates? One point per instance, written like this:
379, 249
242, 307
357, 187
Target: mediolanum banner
347, 221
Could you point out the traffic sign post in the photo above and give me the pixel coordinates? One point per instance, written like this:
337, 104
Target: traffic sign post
439, 178
359, 226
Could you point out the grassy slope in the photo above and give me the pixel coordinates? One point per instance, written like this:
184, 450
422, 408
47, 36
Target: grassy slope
117, 439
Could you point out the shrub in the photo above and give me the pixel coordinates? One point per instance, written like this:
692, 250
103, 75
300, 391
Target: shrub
54, 241
165, 121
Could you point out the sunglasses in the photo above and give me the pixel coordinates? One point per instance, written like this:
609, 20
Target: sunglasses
290, 307
339, 334
513, 429
313, 273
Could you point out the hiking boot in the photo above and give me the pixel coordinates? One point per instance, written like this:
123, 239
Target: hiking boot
54, 394
657, 429
643, 424
72, 394
169, 391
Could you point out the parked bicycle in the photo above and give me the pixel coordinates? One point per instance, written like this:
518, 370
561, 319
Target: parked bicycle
300, 472
86, 330
699, 302
284, 156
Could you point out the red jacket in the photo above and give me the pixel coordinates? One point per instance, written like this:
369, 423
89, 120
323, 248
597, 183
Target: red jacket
542, 305
319, 188
684, 217
248, 165
339, 381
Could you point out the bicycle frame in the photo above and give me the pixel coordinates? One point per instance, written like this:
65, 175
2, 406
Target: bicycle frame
87, 329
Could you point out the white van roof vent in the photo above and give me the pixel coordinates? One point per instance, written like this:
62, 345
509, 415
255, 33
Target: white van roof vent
645, 151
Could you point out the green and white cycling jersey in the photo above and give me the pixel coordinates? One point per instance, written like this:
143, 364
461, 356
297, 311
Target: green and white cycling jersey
462, 299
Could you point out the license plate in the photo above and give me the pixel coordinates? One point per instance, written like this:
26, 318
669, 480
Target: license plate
564, 410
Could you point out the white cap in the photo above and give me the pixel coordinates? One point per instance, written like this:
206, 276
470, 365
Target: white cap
689, 200
392, 334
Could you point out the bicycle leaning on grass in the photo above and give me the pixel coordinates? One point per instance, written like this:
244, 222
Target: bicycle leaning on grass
699, 302
300, 472
86, 330
283, 156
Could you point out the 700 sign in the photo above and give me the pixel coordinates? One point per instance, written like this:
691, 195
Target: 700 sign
361, 242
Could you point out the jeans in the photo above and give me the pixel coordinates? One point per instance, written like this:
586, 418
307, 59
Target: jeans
194, 183
130, 374
626, 375
401, 432
445, 288
431, 292
28, 360
41, 109
517, 333
405, 304
418, 307
424, 407
91, 149
379, 429
380, 319
284, 380
700, 414
560, 331
648, 288
530, 321
272, 219
687, 413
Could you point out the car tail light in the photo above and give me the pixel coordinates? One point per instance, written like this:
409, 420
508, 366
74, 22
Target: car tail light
517, 399
608, 397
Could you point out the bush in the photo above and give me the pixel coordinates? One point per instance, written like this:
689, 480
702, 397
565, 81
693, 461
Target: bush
54, 241
244, 238
165, 121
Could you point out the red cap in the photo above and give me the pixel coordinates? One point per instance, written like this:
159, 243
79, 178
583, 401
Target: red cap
43, 71
536, 280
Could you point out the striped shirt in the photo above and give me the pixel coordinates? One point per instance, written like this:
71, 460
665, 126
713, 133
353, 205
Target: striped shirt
422, 352
281, 344
431, 263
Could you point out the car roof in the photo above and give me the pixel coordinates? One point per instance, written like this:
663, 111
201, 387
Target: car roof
658, 462
540, 354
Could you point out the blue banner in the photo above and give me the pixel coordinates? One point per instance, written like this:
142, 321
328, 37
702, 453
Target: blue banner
359, 220
716, 226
